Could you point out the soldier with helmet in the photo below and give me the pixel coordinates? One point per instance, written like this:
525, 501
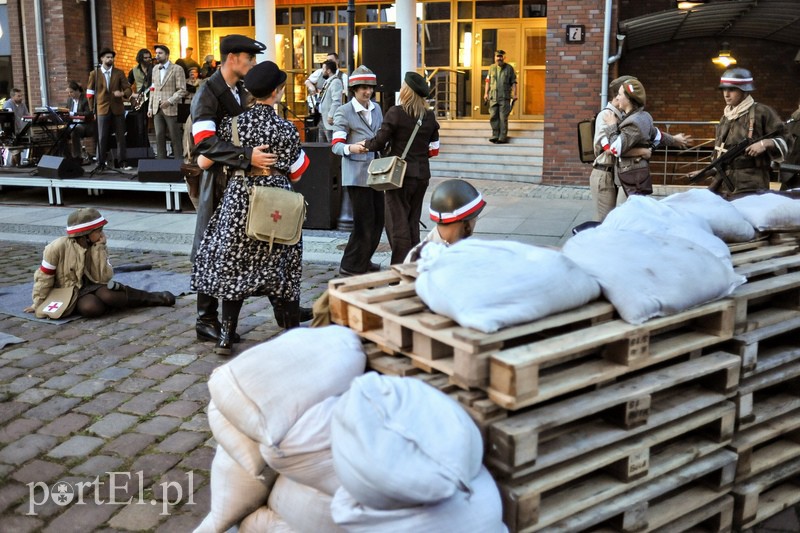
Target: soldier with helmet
744, 118
356, 121
455, 206
79, 261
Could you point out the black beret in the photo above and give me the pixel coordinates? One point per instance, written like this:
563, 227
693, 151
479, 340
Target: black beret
162, 46
233, 44
417, 84
105, 51
264, 78
500, 53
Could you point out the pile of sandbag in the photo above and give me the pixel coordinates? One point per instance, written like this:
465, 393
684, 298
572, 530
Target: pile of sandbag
409, 459
488, 285
270, 413
770, 211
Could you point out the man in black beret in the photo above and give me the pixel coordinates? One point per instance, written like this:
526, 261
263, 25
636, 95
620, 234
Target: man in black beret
222, 95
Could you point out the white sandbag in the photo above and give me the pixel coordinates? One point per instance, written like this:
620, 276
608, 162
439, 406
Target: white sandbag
647, 276
769, 211
648, 215
304, 455
264, 520
725, 221
234, 493
488, 285
482, 511
398, 442
266, 389
239, 446
304, 509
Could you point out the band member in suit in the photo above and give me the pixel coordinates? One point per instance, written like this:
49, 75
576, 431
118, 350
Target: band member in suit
78, 106
140, 77
110, 90
168, 90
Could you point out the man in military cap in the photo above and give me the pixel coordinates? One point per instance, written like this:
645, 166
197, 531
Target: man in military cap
222, 95
744, 118
500, 93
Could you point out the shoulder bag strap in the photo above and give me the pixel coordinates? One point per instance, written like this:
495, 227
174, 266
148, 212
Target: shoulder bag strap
235, 131
411, 139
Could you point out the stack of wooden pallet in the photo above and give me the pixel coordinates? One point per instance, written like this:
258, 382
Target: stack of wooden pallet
593, 422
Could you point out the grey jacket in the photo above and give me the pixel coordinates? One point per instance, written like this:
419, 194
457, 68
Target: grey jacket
350, 128
331, 99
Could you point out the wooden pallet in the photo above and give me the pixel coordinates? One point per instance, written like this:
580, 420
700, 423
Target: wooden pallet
767, 324
713, 517
538, 371
383, 307
761, 447
555, 493
766, 494
778, 292
760, 253
557, 432
703, 480
771, 391
777, 266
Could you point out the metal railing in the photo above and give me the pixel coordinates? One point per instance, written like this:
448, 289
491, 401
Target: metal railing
444, 93
672, 164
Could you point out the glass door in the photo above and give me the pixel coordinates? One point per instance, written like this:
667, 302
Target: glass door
525, 44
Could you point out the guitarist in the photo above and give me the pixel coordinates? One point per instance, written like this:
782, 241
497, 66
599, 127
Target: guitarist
140, 77
744, 118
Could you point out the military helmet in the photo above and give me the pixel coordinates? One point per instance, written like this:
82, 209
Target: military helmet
362, 76
84, 221
737, 78
455, 200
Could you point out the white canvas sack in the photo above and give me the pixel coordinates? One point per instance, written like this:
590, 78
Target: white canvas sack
725, 221
647, 276
234, 493
489, 285
769, 211
481, 511
237, 445
398, 442
304, 509
264, 520
266, 389
647, 215
304, 455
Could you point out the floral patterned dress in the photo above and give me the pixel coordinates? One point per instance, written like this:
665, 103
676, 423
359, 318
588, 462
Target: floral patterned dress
229, 264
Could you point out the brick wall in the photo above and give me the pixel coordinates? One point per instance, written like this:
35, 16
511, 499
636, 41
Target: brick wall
573, 86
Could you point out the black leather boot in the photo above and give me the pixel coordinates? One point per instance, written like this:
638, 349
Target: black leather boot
289, 314
230, 319
207, 325
140, 298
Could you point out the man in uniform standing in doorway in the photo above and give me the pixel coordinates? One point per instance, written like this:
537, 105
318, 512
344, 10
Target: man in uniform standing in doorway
500, 93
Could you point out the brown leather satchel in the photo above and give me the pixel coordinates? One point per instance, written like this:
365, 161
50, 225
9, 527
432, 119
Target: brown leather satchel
636, 179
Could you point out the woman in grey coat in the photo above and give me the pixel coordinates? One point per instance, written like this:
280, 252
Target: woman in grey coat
358, 120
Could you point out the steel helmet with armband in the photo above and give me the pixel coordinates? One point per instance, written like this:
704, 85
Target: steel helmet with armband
737, 78
84, 221
362, 76
455, 200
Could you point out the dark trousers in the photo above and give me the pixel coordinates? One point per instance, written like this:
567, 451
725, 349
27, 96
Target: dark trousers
403, 211
368, 218
140, 119
104, 125
498, 118
76, 135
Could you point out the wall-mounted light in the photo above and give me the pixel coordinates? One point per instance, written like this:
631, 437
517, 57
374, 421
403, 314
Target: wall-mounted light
690, 5
184, 35
724, 59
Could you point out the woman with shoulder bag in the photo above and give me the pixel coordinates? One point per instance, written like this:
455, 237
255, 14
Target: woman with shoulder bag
230, 265
404, 205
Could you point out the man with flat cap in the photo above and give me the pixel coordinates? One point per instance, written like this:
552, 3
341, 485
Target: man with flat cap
222, 95
500, 93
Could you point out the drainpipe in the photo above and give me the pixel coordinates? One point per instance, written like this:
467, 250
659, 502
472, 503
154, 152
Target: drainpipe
606, 44
93, 19
26, 63
40, 51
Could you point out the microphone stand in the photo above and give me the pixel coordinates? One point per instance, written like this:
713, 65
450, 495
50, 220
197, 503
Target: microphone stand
98, 169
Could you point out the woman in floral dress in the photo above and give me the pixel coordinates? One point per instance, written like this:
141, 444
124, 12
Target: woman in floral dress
230, 265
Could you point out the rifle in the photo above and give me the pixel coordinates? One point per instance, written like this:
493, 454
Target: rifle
727, 158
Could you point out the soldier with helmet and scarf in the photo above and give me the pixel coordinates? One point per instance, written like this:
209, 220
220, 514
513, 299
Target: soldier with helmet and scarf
744, 118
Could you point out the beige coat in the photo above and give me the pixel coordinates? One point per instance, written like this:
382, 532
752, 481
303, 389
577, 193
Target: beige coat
71, 263
172, 90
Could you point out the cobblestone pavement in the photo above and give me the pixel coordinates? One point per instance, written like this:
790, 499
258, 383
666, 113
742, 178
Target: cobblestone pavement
125, 394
